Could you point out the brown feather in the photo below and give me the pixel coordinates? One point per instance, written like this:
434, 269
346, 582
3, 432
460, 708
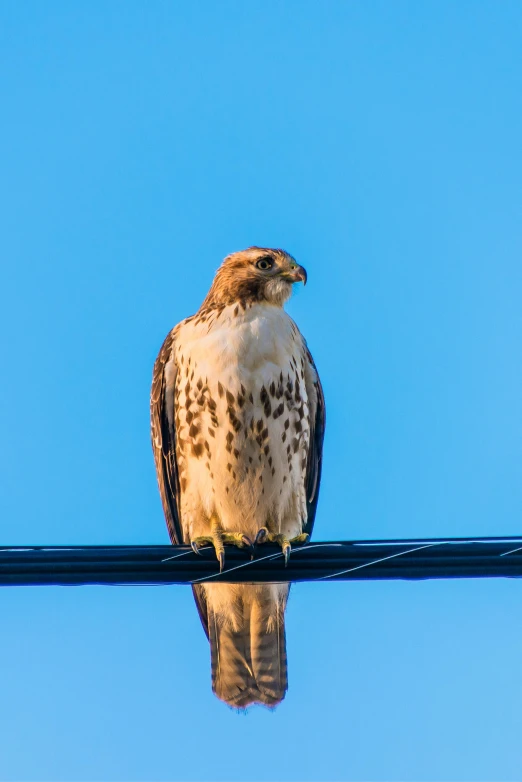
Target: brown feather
237, 280
248, 655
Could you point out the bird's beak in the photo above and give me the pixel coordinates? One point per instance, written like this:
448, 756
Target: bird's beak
296, 274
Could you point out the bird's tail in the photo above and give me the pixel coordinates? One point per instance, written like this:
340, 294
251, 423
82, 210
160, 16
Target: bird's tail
246, 630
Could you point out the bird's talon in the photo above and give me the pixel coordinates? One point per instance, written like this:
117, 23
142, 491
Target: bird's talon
262, 536
210, 540
247, 542
236, 539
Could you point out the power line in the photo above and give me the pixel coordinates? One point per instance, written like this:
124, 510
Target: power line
317, 561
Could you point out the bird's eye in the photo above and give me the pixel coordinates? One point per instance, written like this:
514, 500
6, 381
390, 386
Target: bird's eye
264, 264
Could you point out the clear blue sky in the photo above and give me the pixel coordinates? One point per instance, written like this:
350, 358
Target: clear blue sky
379, 143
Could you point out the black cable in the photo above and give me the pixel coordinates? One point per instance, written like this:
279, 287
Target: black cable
317, 561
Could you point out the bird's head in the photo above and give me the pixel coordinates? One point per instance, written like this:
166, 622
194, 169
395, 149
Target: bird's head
256, 274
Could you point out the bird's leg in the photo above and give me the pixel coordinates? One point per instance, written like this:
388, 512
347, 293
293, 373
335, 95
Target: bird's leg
219, 538
214, 539
236, 539
264, 535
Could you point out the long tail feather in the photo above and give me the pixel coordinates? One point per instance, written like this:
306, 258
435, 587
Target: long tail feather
247, 643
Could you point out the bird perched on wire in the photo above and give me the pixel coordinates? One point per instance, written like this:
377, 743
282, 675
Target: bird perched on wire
238, 419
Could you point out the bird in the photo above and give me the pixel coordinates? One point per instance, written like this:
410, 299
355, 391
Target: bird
237, 428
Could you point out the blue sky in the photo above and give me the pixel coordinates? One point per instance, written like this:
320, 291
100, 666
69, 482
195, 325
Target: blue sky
379, 143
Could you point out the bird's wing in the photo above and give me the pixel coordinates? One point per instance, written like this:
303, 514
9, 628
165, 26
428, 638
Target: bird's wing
163, 433
315, 449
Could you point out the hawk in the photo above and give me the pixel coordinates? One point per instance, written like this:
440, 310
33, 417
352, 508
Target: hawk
238, 420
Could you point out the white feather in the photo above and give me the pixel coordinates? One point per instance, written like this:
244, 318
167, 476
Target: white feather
249, 349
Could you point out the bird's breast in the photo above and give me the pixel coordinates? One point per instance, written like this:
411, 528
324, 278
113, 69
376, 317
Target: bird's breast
242, 412
234, 342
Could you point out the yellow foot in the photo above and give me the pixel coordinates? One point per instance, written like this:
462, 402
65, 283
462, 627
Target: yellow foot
219, 539
236, 539
265, 536
210, 540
